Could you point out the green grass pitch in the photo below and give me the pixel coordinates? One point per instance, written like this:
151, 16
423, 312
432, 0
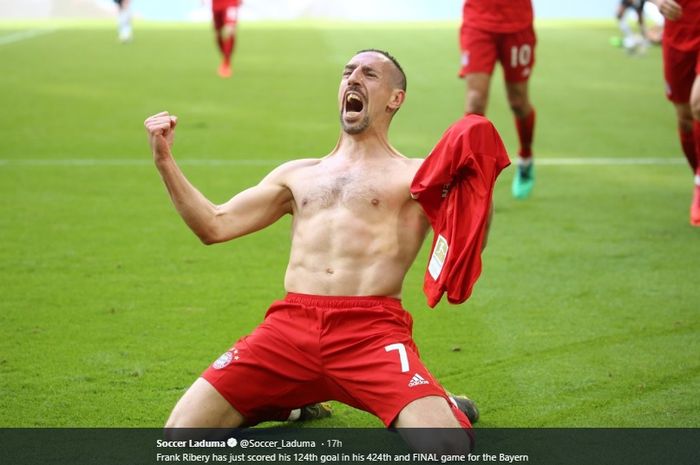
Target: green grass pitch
586, 314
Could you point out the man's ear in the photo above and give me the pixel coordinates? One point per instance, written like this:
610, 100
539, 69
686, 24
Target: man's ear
396, 100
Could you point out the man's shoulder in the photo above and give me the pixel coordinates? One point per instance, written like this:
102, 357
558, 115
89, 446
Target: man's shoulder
414, 163
408, 164
300, 163
407, 167
296, 165
287, 169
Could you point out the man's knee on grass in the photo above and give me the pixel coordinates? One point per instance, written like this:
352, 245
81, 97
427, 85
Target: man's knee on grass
429, 425
202, 406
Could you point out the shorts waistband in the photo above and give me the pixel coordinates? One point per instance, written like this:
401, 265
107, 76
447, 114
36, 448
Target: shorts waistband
342, 301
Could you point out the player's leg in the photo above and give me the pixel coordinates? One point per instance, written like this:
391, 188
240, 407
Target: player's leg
524, 113
202, 406
639, 9
680, 74
517, 55
695, 112
478, 60
218, 21
686, 135
430, 425
429, 412
622, 19
124, 21
227, 37
383, 374
477, 97
682, 89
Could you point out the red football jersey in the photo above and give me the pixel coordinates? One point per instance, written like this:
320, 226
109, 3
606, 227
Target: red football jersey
218, 5
498, 15
684, 33
454, 186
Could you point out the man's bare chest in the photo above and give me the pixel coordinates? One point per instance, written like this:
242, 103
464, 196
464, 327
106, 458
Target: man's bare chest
356, 190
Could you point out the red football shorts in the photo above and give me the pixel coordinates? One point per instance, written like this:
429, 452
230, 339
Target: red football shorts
225, 17
357, 350
680, 69
481, 49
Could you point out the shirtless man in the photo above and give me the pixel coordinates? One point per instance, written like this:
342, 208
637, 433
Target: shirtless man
340, 333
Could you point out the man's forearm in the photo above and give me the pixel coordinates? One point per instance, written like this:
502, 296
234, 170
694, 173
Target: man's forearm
197, 211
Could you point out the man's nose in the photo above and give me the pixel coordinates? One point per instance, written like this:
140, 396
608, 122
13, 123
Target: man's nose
355, 76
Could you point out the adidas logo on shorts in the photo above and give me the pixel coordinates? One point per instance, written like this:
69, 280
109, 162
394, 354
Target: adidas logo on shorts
417, 380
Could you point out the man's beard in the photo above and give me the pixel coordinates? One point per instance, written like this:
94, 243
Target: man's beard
356, 127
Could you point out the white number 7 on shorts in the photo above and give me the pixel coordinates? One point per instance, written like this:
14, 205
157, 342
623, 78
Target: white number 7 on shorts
402, 355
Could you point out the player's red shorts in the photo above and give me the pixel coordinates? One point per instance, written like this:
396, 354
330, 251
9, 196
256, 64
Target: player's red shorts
225, 17
515, 51
357, 350
680, 69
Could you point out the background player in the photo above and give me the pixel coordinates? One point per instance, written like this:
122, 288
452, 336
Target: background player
124, 28
502, 30
225, 19
631, 41
681, 57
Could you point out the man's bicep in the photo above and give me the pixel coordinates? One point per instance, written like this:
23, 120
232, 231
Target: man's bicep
253, 209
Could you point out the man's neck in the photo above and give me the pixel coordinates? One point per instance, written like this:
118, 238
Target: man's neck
367, 144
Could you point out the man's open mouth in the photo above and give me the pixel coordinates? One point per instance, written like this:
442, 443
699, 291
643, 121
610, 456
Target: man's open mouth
353, 104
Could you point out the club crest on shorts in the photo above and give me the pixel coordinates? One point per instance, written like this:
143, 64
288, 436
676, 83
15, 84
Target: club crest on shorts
225, 359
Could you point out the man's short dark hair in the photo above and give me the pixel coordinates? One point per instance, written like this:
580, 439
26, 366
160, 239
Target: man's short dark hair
402, 79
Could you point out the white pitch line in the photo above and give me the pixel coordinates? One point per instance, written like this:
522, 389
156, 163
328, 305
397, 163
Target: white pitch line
23, 35
607, 161
134, 162
261, 162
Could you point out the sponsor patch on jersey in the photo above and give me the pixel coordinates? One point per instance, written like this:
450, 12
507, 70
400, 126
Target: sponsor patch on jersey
437, 259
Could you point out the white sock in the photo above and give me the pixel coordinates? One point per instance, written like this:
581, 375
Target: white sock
294, 415
125, 20
697, 179
624, 26
124, 17
524, 161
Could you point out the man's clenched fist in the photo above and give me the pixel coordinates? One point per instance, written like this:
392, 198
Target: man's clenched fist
161, 133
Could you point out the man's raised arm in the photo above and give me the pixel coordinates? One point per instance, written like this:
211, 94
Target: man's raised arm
248, 211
